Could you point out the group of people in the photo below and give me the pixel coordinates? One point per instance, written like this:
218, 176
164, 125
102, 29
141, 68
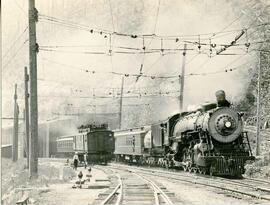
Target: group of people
76, 160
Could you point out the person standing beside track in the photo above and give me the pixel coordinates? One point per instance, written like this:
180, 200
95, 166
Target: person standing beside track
85, 158
75, 160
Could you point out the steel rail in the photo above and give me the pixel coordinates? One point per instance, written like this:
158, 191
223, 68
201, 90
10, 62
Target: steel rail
114, 193
157, 190
210, 183
234, 190
245, 181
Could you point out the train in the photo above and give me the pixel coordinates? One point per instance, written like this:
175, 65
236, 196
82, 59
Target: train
96, 141
209, 140
50, 130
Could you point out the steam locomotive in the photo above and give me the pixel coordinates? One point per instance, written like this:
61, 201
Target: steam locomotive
209, 140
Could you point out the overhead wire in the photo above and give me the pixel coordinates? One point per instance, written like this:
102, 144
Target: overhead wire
111, 15
19, 6
121, 52
144, 47
167, 37
222, 30
224, 69
14, 42
16, 52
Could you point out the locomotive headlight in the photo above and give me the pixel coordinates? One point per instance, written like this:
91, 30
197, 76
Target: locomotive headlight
228, 124
225, 125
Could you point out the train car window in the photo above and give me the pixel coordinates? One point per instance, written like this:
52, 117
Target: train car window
133, 141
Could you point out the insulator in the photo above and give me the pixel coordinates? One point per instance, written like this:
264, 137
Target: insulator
247, 44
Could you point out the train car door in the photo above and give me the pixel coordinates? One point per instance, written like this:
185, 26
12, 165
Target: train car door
133, 143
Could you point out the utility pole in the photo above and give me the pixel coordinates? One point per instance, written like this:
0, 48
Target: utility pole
33, 48
121, 103
258, 108
182, 79
15, 128
26, 114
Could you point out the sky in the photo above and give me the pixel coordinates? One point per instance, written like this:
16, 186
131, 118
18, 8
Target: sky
62, 75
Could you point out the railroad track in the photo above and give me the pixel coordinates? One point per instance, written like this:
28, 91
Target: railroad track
259, 189
134, 188
115, 196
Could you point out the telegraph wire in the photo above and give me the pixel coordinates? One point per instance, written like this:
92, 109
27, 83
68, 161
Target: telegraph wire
238, 18
167, 51
14, 43
90, 71
143, 39
134, 50
157, 14
168, 37
24, 12
98, 52
223, 48
111, 15
16, 52
193, 58
224, 69
101, 97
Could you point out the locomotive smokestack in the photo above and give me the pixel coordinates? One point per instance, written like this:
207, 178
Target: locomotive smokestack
221, 99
